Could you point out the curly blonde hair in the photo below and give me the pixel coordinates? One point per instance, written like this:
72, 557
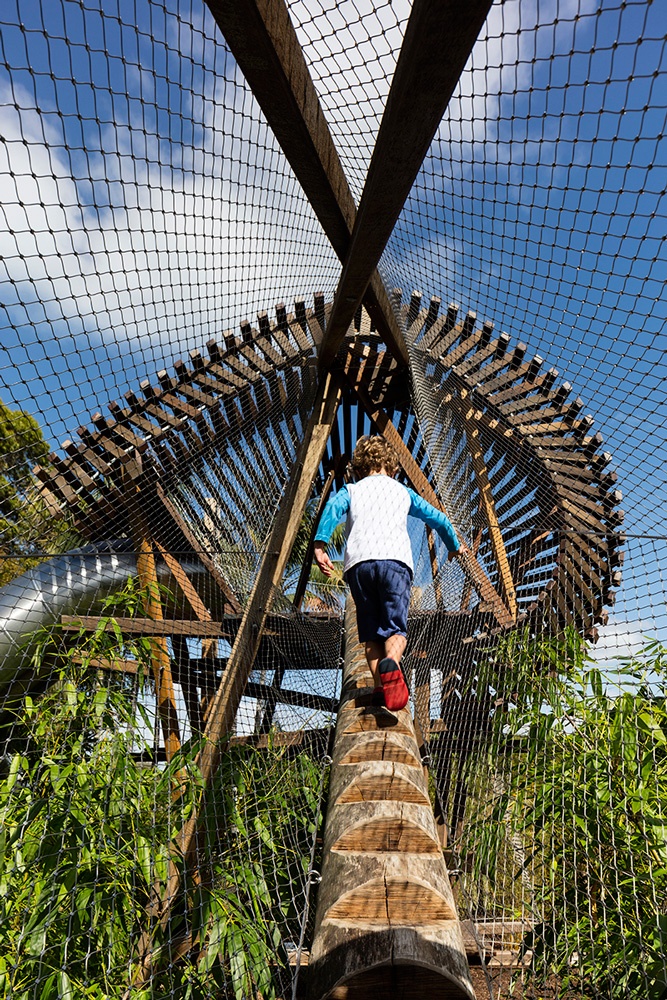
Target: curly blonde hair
373, 454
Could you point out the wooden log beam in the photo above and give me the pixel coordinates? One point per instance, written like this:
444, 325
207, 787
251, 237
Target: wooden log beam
438, 40
228, 594
300, 699
386, 921
487, 592
185, 583
271, 570
222, 711
263, 41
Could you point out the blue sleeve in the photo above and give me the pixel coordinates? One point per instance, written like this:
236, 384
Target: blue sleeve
435, 519
334, 512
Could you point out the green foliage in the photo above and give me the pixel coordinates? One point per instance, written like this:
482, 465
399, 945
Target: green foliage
22, 517
85, 834
588, 794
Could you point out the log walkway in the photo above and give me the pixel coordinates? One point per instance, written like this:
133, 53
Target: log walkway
386, 917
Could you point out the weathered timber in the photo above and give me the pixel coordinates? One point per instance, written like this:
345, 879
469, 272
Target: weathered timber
186, 585
148, 627
301, 699
222, 711
385, 910
422, 85
507, 587
226, 591
264, 43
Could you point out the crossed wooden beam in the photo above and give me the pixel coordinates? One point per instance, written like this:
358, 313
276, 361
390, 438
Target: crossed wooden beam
437, 43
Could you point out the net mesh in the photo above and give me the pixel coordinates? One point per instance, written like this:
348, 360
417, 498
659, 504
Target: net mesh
165, 288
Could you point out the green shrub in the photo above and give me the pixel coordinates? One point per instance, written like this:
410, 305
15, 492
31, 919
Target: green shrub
85, 834
587, 795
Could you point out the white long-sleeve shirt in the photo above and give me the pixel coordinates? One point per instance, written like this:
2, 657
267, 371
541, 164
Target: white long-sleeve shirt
377, 510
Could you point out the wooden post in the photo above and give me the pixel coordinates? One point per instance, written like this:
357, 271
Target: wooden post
386, 920
505, 581
209, 646
147, 574
227, 594
421, 87
264, 43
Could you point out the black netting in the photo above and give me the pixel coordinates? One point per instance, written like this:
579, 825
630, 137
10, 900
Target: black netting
173, 669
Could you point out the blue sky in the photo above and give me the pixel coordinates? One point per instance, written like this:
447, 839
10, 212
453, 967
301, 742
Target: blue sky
146, 206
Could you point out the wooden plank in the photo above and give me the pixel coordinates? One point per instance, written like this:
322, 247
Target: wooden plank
76, 476
299, 327
83, 453
133, 415
82, 470
186, 585
112, 450
227, 593
422, 85
443, 326
57, 485
254, 358
155, 627
449, 334
262, 39
469, 367
475, 451
498, 362
458, 353
114, 428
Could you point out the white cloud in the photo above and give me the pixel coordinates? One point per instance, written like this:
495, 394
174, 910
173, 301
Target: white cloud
167, 253
625, 637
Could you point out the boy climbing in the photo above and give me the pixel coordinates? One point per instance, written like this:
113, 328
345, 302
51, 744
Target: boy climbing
378, 559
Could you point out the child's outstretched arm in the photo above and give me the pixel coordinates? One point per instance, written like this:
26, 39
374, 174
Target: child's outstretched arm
334, 512
435, 518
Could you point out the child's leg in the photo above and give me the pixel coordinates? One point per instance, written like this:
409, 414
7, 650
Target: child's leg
395, 646
374, 653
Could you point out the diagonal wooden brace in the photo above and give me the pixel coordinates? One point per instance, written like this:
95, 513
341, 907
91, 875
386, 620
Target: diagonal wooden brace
223, 710
469, 564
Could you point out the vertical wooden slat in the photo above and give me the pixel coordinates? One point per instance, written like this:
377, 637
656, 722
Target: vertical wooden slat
147, 574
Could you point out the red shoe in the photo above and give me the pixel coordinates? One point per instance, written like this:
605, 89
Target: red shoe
396, 692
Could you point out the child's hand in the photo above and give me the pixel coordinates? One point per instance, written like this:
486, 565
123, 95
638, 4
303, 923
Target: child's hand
322, 559
462, 550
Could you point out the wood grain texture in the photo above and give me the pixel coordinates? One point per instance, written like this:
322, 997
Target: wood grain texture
385, 901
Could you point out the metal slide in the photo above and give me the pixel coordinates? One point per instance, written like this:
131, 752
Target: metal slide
71, 584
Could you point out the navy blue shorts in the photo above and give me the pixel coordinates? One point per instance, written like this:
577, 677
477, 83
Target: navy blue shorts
381, 592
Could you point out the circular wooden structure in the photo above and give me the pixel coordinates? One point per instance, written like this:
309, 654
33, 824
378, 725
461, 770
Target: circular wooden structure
494, 437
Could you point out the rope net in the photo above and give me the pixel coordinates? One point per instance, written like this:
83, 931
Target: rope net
170, 663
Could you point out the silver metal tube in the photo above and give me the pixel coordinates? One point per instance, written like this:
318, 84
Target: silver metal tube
71, 584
